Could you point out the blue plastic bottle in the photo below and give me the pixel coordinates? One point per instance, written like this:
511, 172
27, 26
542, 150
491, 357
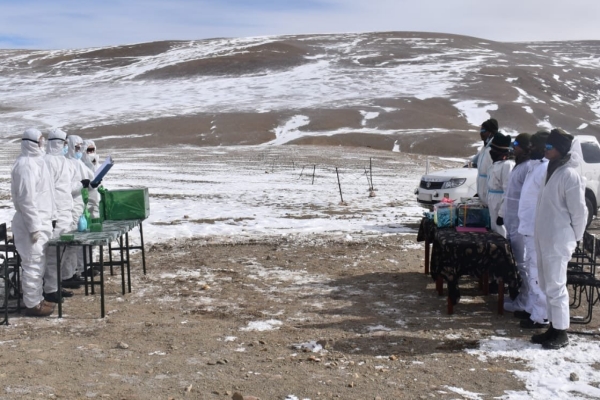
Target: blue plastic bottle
82, 224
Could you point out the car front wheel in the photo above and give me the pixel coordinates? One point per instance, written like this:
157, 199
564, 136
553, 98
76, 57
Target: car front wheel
590, 207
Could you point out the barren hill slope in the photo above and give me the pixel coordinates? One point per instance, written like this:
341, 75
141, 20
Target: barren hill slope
366, 89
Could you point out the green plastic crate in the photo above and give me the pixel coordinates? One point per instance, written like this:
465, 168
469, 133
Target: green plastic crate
67, 237
120, 204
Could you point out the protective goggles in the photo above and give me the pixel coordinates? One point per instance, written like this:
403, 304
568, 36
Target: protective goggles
41, 143
90, 150
483, 130
549, 147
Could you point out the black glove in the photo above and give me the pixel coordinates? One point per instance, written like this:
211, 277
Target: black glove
85, 183
54, 224
499, 221
95, 185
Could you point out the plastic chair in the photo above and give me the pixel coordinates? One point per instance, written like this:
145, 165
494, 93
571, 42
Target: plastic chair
582, 277
10, 275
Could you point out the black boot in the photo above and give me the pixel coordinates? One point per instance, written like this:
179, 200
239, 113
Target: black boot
90, 272
521, 314
558, 340
52, 297
542, 337
73, 282
530, 324
493, 287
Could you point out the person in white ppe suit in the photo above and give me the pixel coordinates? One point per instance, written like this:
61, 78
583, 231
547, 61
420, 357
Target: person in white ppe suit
84, 175
90, 156
32, 195
521, 148
65, 187
560, 222
535, 313
90, 160
483, 159
498, 175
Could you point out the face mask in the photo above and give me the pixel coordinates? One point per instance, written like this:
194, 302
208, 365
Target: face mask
78, 155
65, 150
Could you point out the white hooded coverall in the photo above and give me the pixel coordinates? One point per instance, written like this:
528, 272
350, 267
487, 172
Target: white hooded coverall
484, 161
88, 160
498, 174
81, 172
536, 174
560, 221
511, 223
33, 197
65, 187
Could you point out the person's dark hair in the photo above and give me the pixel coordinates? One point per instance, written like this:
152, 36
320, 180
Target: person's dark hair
500, 143
561, 140
538, 139
523, 140
491, 125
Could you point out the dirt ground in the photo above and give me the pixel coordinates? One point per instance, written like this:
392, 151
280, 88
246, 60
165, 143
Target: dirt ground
191, 328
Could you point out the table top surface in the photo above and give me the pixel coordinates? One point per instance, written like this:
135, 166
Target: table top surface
111, 230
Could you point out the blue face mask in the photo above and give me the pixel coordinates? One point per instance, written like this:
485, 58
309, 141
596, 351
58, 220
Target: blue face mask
78, 155
65, 150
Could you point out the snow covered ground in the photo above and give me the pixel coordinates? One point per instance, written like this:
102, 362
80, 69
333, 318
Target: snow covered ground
245, 192
232, 193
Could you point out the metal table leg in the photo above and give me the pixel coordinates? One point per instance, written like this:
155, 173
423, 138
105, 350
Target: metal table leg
128, 261
122, 262
110, 260
101, 260
143, 251
59, 280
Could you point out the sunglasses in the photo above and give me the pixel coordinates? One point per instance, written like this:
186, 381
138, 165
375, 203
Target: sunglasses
482, 130
549, 147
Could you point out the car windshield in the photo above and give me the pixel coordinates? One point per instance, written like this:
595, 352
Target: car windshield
591, 152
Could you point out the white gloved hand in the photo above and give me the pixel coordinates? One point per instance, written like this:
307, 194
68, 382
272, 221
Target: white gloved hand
35, 236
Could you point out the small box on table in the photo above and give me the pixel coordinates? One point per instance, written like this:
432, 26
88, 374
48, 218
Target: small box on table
121, 204
445, 215
474, 215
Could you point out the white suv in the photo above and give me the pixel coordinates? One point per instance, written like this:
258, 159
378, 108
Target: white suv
462, 182
589, 169
452, 183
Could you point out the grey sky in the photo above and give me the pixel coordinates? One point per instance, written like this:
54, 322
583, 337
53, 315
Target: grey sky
58, 24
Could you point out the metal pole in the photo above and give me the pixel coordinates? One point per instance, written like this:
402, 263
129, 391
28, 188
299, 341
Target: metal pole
313, 180
371, 171
339, 184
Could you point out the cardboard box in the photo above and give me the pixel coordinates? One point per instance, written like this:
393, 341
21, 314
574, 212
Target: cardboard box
121, 204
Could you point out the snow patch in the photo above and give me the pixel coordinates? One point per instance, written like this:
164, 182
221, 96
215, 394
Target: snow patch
261, 326
476, 111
